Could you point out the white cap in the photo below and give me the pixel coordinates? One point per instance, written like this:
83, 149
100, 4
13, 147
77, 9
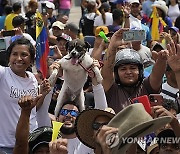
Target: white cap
58, 24
91, 1
50, 5
134, 1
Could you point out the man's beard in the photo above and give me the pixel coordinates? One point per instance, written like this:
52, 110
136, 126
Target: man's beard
67, 131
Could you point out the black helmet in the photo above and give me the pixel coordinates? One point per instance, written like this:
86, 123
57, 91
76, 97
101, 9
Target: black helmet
128, 56
41, 135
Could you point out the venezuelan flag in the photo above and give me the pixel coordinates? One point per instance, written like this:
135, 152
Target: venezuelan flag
42, 46
157, 24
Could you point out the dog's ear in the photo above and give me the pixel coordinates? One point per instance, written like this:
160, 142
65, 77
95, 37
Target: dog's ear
67, 45
87, 45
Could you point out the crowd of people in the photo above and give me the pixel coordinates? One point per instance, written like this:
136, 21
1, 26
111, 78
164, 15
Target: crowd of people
145, 69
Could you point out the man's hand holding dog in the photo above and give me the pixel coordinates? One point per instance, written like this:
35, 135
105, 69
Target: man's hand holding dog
55, 65
92, 74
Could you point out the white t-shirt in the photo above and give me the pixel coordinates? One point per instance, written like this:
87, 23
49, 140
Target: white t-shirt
99, 21
145, 54
29, 37
173, 12
12, 88
134, 22
24, 3
75, 146
167, 87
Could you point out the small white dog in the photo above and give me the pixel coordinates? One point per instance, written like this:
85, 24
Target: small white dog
74, 66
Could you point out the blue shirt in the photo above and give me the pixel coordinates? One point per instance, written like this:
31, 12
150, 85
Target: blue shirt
148, 34
146, 7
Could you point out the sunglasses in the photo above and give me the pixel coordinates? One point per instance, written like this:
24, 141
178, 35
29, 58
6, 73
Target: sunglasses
97, 125
65, 112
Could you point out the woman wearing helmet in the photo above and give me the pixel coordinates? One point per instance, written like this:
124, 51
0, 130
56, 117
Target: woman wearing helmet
127, 80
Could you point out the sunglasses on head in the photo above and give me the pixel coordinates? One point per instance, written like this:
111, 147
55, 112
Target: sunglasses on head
97, 125
65, 112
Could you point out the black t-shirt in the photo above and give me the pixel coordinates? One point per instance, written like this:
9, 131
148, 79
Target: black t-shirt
30, 16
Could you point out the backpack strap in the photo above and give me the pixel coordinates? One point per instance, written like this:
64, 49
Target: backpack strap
169, 93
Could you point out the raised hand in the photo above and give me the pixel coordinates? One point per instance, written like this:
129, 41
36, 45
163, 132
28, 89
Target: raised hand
58, 146
102, 138
28, 102
174, 57
161, 55
126, 9
117, 38
45, 87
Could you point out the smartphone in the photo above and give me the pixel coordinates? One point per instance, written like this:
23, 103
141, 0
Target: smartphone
8, 33
43, 8
145, 101
134, 35
156, 99
51, 51
2, 45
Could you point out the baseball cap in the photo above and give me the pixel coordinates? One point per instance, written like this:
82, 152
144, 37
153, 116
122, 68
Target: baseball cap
101, 28
120, 1
40, 136
174, 28
58, 24
165, 134
156, 46
50, 5
72, 27
134, 1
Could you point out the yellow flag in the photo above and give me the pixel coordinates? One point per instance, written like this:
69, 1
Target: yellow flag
39, 24
56, 128
155, 24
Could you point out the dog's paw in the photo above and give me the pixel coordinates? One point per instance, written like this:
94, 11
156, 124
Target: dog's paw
98, 74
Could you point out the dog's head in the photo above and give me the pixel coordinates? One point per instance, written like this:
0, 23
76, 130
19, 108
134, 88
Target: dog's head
77, 49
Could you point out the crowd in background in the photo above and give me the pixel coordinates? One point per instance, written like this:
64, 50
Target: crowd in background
130, 69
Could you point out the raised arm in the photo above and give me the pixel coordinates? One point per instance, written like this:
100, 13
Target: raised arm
22, 130
109, 60
158, 70
99, 47
174, 60
126, 10
98, 90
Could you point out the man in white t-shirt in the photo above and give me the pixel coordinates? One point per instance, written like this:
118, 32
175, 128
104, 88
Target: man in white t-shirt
135, 11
